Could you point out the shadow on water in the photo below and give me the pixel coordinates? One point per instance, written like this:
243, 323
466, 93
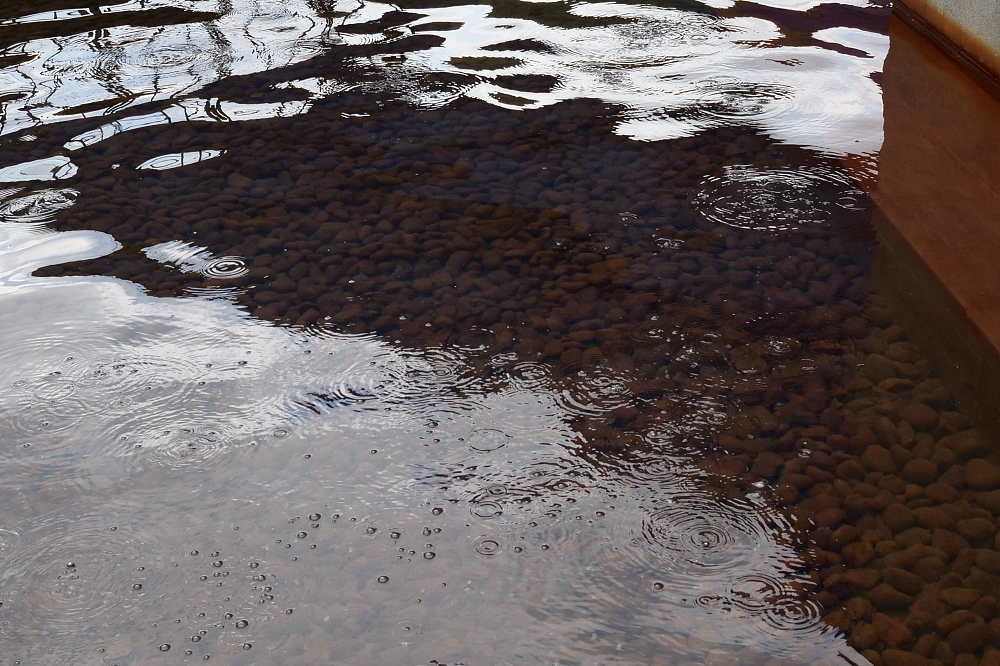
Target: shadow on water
522, 333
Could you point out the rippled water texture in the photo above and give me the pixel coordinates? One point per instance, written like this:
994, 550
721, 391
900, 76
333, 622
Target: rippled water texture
354, 333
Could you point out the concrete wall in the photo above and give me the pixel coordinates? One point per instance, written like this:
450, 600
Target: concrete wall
971, 25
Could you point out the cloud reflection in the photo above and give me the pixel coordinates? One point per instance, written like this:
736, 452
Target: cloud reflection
656, 63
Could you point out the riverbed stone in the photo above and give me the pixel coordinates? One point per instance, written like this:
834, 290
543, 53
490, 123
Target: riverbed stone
878, 459
942, 493
976, 529
920, 471
989, 501
903, 580
982, 475
960, 597
966, 445
971, 637
949, 542
851, 470
858, 554
988, 560
920, 416
897, 517
897, 657
886, 598
892, 633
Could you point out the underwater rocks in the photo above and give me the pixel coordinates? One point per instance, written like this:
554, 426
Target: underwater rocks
543, 237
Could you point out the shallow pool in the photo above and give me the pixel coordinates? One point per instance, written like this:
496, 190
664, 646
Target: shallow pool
523, 333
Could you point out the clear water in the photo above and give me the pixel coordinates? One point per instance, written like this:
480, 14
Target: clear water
355, 333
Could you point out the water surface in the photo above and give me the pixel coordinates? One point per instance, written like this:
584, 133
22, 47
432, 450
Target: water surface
515, 333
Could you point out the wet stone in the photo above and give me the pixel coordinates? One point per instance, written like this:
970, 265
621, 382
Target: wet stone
949, 542
887, 598
976, 529
920, 471
969, 638
878, 459
960, 597
982, 475
920, 416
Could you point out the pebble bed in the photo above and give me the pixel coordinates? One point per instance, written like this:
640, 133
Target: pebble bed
544, 236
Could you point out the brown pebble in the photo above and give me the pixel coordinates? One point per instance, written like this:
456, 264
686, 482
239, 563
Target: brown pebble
239, 181
886, 597
858, 554
862, 579
949, 423
984, 607
854, 505
898, 518
930, 569
885, 547
863, 636
897, 657
851, 470
960, 597
860, 608
933, 517
878, 459
966, 445
913, 536
954, 620
767, 464
920, 471
878, 368
976, 529
949, 542
830, 518
991, 657
903, 580
988, 560
970, 637
981, 475
989, 501
920, 416
944, 654
964, 561
842, 536
892, 633
926, 645
942, 493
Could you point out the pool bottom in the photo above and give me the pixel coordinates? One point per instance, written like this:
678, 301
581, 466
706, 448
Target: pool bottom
782, 453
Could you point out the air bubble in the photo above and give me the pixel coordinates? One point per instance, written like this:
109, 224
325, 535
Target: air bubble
383, 579
240, 624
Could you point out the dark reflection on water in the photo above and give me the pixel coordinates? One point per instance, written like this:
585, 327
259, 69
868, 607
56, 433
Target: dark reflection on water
358, 333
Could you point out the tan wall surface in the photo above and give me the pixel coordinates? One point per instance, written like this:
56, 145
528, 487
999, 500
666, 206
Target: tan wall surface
972, 25
939, 194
